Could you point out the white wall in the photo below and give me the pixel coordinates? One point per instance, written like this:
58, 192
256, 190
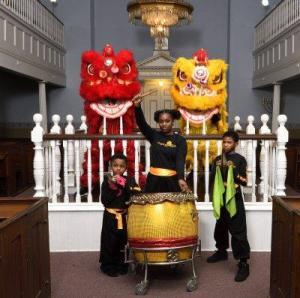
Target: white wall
77, 228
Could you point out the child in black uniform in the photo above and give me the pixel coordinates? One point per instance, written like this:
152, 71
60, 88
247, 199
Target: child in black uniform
228, 173
167, 151
115, 192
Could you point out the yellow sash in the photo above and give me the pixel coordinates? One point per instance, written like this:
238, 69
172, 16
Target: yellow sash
162, 172
118, 214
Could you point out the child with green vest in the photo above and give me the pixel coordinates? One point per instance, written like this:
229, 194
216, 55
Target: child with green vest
228, 174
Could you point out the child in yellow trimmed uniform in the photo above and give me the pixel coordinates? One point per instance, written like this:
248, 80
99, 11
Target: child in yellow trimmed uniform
115, 192
228, 174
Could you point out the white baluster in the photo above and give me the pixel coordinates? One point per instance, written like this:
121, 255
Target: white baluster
237, 126
136, 160
101, 166
147, 147
53, 171
57, 130
66, 177
121, 125
112, 146
263, 130
219, 147
266, 173
195, 168
206, 171
38, 160
243, 148
254, 171
77, 171
50, 171
281, 163
124, 145
187, 126
250, 130
273, 171
104, 126
70, 130
83, 127
204, 128
47, 178
89, 170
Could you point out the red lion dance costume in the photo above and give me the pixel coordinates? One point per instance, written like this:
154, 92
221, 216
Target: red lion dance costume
109, 82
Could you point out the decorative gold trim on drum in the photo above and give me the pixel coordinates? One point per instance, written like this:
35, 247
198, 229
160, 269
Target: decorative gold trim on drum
159, 197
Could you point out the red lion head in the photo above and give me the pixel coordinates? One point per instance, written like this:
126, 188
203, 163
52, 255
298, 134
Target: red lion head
109, 81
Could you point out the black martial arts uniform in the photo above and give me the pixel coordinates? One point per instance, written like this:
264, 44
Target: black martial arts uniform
114, 234
166, 152
237, 224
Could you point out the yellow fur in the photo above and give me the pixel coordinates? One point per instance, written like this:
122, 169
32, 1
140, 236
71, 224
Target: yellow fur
216, 82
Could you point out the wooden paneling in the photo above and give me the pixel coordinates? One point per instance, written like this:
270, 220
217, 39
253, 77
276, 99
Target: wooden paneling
16, 166
24, 248
293, 167
285, 256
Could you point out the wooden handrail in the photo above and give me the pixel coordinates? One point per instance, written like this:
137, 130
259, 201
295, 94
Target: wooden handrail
138, 137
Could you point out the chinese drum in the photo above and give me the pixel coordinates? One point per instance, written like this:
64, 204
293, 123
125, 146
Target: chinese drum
162, 227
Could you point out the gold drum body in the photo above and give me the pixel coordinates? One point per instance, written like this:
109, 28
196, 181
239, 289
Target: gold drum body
164, 226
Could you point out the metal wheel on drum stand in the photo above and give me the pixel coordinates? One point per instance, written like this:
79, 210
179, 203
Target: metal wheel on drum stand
142, 287
192, 284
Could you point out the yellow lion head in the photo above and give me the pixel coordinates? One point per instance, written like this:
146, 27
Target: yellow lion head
199, 89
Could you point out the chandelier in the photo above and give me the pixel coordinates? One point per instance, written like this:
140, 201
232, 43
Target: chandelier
160, 15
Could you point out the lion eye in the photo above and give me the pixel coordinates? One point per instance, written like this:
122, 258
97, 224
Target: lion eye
126, 69
91, 69
218, 79
181, 75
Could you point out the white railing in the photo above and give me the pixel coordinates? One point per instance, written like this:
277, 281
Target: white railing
33, 13
279, 19
51, 159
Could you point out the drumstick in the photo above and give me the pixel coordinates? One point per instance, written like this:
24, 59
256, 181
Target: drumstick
147, 93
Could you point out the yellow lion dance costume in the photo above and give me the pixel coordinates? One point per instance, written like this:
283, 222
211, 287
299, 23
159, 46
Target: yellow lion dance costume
199, 92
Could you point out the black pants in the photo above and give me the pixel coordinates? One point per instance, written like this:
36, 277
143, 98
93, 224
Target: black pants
237, 228
113, 242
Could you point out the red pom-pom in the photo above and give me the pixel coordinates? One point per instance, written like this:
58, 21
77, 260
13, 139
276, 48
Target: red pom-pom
200, 57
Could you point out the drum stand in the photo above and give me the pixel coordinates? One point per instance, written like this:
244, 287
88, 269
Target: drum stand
142, 287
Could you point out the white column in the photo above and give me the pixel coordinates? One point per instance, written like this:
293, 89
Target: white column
43, 104
38, 161
276, 106
281, 163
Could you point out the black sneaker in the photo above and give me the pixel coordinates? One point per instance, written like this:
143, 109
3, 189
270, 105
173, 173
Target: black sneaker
217, 257
243, 272
110, 272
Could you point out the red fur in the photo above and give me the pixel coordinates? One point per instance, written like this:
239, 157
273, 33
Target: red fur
94, 88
